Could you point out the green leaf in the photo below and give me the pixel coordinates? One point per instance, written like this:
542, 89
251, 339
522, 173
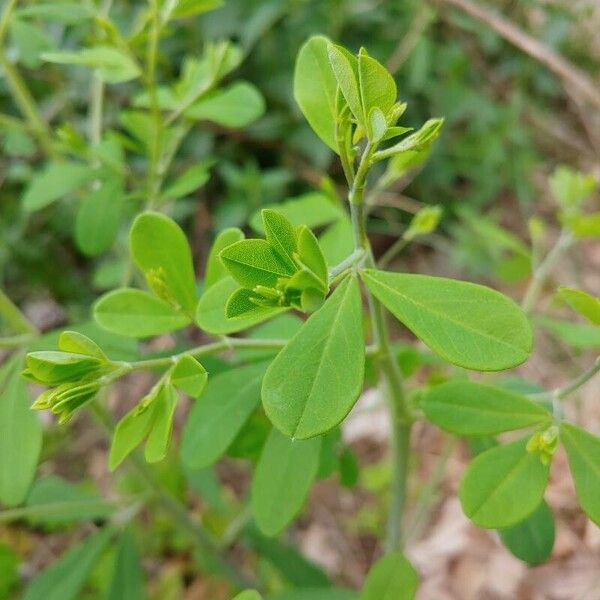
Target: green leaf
211, 316
159, 437
52, 367
345, 69
99, 217
468, 408
290, 563
315, 594
424, 222
315, 380
9, 568
127, 579
30, 42
255, 262
571, 188
189, 8
237, 105
111, 64
280, 233
503, 485
75, 342
469, 325
58, 502
578, 335
68, 13
248, 595
135, 313
584, 226
54, 182
531, 540
161, 251
377, 87
585, 304
337, 241
218, 416
391, 578
65, 578
311, 256
189, 181
315, 89
215, 270
583, 451
189, 376
314, 209
282, 480
20, 435
420, 140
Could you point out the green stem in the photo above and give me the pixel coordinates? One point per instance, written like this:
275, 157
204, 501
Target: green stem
392, 251
393, 385
26, 104
581, 380
543, 270
205, 350
348, 262
154, 177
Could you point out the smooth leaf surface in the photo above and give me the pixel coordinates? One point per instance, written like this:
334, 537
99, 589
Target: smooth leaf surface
235, 106
584, 303
189, 376
531, 540
248, 595
377, 86
20, 435
470, 408
282, 480
315, 380
54, 182
211, 316
99, 217
138, 314
391, 578
583, 451
503, 485
161, 251
65, 578
280, 233
315, 88
127, 579
578, 335
255, 262
218, 416
345, 69
159, 436
189, 181
215, 270
469, 325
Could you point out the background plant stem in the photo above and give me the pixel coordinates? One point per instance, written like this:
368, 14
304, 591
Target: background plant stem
392, 383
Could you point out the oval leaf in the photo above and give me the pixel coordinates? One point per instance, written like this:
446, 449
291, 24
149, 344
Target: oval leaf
20, 436
469, 408
161, 251
469, 325
315, 380
504, 485
583, 450
282, 480
531, 540
315, 88
215, 270
211, 316
391, 578
218, 416
135, 313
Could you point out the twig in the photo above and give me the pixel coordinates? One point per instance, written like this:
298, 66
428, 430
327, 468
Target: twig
572, 76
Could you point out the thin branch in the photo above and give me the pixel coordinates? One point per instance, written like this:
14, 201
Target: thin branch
573, 78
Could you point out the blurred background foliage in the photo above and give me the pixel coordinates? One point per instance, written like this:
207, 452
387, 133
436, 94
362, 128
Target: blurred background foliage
509, 120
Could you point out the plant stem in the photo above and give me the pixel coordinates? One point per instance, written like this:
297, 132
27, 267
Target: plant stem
206, 350
579, 381
348, 262
392, 251
154, 176
393, 385
543, 270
